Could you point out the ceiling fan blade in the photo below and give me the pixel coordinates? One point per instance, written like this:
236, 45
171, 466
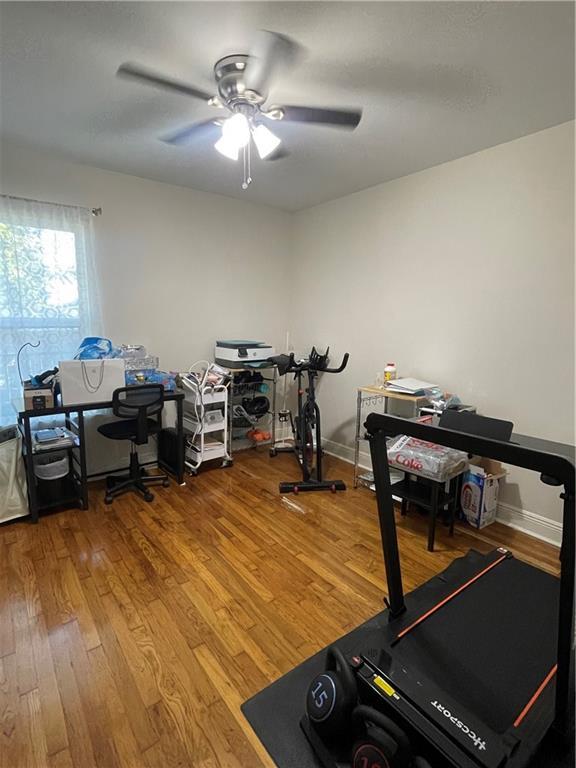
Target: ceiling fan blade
148, 77
195, 132
337, 118
270, 52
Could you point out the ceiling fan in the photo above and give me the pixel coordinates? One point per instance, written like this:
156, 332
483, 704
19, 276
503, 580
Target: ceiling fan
243, 82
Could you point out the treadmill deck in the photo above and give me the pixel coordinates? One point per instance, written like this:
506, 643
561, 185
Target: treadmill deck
274, 712
492, 646
479, 639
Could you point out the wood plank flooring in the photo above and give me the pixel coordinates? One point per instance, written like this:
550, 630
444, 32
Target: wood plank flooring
131, 634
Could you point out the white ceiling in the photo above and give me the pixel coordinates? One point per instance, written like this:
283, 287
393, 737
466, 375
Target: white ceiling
436, 80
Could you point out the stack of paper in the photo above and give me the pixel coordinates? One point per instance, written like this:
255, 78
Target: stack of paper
410, 386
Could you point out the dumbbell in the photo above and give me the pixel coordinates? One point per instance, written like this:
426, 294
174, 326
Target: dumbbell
331, 698
382, 743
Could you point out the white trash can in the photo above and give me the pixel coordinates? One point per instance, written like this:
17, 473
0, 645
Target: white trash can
51, 466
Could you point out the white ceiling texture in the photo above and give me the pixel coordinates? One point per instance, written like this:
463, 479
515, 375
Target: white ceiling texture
436, 81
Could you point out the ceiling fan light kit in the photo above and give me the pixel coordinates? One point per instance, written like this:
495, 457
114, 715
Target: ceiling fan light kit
266, 141
227, 149
236, 130
243, 82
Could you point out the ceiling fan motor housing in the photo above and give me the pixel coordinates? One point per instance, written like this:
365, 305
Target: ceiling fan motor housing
229, 73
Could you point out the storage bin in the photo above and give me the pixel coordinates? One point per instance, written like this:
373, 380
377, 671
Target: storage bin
51, 466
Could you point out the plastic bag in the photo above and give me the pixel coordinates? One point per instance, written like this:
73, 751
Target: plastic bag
445, 401
130, 351
94, 348
419, 457
13, 496
168, 380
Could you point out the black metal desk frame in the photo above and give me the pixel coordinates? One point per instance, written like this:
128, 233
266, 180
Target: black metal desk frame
74, 421
552, 460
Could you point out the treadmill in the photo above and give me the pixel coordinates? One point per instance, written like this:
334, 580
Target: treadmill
480, 661
476, 664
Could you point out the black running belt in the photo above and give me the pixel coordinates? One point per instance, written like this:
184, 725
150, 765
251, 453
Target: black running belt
491, 646
450, 596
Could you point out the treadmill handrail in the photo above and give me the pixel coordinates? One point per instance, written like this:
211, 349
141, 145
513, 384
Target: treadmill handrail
554, 460
557, 460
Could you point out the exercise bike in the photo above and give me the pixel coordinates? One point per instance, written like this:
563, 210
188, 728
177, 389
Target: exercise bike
306, 432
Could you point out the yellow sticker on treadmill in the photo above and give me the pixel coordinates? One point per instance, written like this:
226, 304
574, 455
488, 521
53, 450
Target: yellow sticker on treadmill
383, 685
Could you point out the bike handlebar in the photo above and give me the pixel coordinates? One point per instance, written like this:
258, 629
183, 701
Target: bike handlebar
309, 365
340, 368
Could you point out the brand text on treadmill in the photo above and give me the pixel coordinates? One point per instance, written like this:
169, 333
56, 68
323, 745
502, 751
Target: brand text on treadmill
478, 742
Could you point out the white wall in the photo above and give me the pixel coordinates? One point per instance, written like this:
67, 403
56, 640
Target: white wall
463, 275
178, 268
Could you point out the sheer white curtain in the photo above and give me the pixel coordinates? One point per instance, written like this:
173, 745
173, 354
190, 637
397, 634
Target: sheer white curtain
48, 289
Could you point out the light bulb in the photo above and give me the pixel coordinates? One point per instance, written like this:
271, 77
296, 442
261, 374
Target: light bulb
266, 142
227, 148
236, 130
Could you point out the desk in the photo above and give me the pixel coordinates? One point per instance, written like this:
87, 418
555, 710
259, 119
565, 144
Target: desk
374, 396
75, 490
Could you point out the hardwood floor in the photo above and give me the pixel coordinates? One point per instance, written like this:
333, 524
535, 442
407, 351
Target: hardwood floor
131, 634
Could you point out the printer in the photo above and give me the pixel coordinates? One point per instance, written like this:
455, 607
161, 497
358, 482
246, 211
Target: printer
238, 353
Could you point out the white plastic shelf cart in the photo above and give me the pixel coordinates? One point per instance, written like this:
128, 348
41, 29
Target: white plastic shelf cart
206, 424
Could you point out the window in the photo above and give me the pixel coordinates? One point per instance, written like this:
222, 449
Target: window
47, 289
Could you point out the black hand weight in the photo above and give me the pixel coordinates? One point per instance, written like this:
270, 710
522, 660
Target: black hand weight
332, 696
383, 744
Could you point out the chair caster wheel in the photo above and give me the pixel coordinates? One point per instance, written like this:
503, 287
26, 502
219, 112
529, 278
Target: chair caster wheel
148, 497
165, 483
273, 452
108, 499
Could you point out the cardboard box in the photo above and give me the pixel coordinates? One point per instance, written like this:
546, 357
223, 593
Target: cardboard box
38, 398
479, 496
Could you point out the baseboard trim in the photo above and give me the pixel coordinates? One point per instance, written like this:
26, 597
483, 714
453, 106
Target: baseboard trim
529, 522
346, 453
535, 525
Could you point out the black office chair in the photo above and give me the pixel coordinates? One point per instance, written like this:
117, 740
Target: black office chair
134, 405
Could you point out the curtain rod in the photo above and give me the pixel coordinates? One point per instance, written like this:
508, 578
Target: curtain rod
93, 211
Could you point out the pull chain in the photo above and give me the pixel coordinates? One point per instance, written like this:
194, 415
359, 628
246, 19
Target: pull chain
246, 152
